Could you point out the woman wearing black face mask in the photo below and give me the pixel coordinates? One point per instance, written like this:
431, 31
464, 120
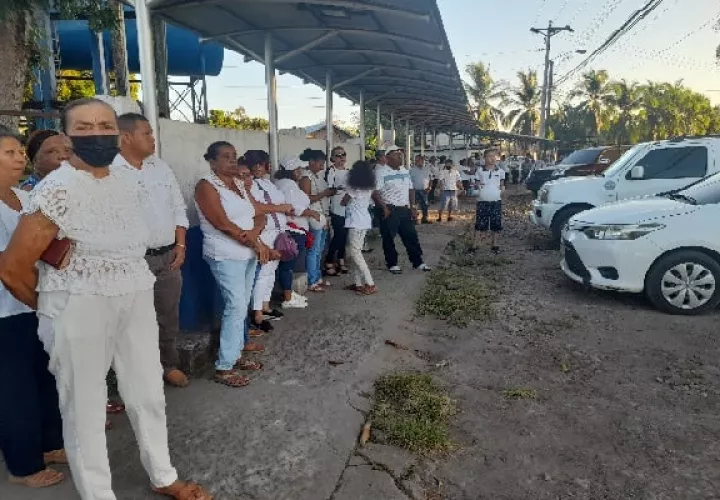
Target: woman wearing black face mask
95, 305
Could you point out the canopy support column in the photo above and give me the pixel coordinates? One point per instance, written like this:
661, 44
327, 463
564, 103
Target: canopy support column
147, 67
379, 142
422, 141
392, 125
271, 83
408, 144
329, 128
435, 142
362, 124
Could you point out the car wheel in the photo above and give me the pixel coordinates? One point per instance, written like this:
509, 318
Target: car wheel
562, 218
684, 282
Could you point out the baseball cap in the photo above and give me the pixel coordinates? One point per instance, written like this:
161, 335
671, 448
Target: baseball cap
291, 163
392, 148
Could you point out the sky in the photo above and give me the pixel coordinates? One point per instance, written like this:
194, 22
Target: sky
677, 41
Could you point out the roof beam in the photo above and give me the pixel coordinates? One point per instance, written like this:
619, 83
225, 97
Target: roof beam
342, 31
402, 70
389, 53
335, 5
418, 84
353, 78
304, 48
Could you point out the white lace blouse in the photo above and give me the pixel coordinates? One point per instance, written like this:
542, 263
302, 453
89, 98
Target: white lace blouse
103, 218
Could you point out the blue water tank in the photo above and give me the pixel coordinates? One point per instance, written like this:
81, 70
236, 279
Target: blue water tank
186, 55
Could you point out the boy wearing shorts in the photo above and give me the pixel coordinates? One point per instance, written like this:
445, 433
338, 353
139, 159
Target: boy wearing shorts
450, 184
490, 182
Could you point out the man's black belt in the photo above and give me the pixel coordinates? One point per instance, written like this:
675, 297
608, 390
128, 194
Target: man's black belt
154, 252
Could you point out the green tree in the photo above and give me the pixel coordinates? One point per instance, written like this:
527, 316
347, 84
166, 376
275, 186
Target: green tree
625, 99
483, 92
571, 125
593, 91
371, 128
237, 120
525, 102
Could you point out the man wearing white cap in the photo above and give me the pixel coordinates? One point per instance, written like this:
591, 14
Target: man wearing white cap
394, 197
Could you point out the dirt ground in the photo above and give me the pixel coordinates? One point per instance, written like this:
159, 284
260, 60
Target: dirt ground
625, 399
564, 394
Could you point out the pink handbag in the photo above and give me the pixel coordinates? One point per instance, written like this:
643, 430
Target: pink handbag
285, 244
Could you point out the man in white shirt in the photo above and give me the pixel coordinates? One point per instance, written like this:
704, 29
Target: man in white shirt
420, 176
450, 184
490, 182
165, 215
393, 192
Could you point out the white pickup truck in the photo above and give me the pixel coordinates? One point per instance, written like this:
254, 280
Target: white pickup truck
645, 169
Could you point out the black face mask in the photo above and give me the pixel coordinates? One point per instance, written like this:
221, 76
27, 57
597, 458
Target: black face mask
98, 151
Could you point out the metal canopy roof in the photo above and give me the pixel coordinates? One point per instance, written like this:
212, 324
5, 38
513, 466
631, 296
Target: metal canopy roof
396, 50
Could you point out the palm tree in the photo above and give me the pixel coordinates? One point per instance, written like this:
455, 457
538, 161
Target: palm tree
626, 99
525, 99
593, 90
481, 91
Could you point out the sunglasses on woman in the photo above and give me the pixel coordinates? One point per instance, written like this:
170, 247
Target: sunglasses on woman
340, 155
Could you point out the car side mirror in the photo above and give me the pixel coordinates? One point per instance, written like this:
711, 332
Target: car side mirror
637, 173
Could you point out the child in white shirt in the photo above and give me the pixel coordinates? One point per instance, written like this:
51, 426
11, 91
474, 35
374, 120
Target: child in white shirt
490, 182
357, 199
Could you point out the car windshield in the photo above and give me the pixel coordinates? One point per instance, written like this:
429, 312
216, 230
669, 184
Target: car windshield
582, 157
703, 192
622, 162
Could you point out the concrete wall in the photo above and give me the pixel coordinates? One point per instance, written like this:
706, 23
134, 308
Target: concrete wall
182, 145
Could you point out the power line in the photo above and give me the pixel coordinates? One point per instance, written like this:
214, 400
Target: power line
627, 26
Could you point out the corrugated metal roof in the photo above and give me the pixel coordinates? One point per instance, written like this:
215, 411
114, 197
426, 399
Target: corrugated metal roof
396, 50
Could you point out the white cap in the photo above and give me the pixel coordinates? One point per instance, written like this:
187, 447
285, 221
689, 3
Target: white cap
392, 148
291, 163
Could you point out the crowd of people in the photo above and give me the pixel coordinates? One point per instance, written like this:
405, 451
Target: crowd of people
91, 248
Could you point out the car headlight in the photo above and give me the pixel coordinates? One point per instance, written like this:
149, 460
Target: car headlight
621, 232
558, 172
543, 195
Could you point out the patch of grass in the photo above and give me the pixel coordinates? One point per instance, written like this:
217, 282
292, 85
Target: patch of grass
456, 296
520, 393
413, 412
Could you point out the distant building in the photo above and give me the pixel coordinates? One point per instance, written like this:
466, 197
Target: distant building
319, 131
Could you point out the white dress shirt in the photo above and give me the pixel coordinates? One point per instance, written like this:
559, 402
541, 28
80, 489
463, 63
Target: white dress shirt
163, 204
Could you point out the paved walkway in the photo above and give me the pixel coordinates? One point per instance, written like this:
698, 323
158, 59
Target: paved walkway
291, 434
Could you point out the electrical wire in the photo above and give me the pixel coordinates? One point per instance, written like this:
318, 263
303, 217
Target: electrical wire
635, 18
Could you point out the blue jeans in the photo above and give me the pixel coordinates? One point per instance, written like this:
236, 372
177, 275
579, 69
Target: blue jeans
235, 279
314, 256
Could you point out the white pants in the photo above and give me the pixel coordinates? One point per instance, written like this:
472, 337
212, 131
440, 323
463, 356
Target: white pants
264, 284
84, 335
353, 250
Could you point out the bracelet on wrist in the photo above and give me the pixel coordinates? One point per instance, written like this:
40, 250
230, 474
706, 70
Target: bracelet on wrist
180, 245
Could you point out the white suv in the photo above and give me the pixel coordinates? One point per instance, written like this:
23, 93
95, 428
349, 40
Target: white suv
665, 246
645, 169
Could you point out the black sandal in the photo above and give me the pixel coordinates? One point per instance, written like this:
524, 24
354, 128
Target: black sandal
331, 270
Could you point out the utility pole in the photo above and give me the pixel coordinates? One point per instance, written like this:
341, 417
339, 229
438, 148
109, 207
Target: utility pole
548, 33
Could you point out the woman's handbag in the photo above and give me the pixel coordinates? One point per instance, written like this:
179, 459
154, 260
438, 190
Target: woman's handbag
285, 244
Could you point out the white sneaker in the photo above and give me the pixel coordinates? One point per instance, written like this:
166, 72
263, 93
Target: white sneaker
293, 303
424, 267
298, 297
395, 270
